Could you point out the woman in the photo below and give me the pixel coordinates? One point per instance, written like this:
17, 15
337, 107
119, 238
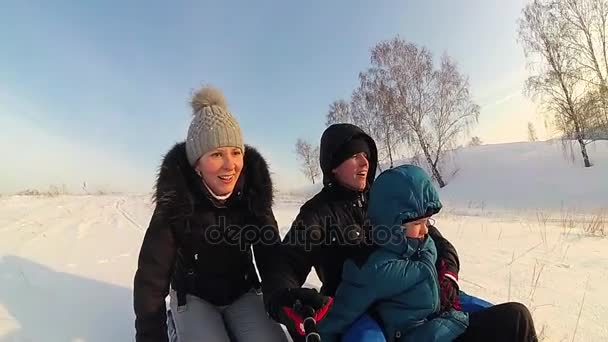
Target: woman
213, 206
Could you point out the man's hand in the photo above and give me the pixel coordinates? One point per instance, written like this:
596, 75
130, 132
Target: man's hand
282, 307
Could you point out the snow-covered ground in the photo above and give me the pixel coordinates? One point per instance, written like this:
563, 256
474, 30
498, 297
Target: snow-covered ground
527, 176
528, 228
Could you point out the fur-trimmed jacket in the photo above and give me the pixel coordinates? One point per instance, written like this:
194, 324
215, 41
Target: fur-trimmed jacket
202, 247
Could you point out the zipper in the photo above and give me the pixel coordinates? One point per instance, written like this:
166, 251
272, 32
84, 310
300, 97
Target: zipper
359, 201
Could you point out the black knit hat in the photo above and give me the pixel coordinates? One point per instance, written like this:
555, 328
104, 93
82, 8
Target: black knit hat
350, 148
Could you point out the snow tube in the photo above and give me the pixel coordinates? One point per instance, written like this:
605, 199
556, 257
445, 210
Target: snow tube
365, 329
472, 304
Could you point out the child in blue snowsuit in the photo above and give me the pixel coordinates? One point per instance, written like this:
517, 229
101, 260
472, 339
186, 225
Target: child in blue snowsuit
397, 282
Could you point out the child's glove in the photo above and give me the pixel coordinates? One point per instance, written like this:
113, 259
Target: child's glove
448, 289
282, 307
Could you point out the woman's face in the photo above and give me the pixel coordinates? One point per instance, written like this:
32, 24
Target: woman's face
220, 169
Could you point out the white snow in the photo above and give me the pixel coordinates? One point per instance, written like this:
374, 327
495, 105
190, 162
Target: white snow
527, 176
517, 213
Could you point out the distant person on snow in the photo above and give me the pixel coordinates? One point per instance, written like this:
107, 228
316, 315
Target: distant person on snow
330, 228
213, 204
397, 281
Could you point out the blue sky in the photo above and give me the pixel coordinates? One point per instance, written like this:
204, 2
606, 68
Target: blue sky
98, 91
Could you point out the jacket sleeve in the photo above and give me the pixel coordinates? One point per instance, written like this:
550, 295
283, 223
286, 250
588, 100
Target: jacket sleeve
446, 252
297, 253
362, 287
152, 278
355, 294
266, 250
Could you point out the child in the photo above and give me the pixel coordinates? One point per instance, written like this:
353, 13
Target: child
397, 283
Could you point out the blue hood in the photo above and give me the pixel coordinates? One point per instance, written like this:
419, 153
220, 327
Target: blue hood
404, 193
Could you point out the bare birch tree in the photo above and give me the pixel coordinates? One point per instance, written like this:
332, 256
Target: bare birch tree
339, 112
557, 80
531, 132
372, 114
475, 141
586, 26
430, 108
309, 159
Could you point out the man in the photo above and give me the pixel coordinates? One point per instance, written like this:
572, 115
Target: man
330, 228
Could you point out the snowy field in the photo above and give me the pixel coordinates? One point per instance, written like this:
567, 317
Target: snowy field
529, 226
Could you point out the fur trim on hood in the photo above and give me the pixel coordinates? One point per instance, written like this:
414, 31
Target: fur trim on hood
179, 188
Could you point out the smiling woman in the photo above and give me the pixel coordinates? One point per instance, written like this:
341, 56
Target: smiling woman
219, 169
213, 207
215, 145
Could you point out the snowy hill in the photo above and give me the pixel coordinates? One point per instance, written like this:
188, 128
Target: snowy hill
524, 176
518, 176
528, 175
67, 262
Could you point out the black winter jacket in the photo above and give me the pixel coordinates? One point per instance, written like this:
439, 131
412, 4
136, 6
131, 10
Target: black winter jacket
331, 227
197, 246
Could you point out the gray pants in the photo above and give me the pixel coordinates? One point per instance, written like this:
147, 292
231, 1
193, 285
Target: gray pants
244, 320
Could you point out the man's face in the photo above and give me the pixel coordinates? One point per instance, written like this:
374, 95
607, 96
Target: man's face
352, 173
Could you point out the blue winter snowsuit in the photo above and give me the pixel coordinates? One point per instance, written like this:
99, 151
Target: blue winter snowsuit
398, 282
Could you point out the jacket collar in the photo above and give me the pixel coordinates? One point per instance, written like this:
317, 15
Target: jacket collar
341, 192
179, 189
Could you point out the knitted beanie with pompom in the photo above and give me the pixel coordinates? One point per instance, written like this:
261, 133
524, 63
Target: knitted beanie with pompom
212, 125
